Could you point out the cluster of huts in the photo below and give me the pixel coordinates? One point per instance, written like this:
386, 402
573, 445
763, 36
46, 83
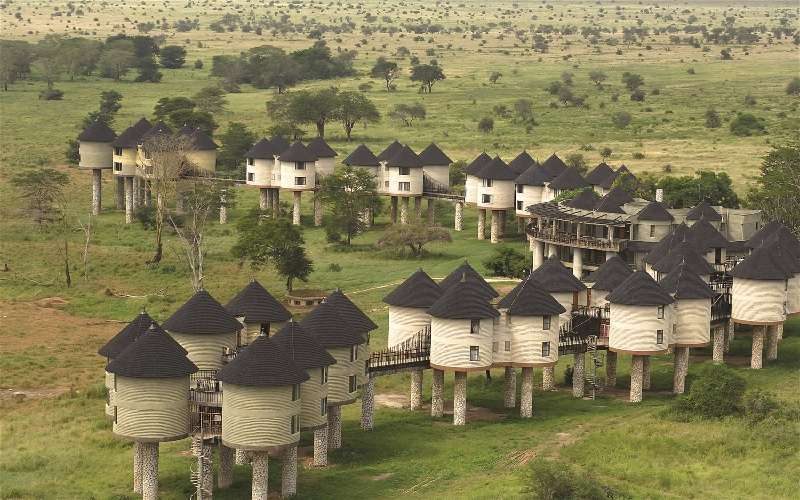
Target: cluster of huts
278, 377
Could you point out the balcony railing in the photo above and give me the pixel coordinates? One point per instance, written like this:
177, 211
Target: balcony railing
570, 239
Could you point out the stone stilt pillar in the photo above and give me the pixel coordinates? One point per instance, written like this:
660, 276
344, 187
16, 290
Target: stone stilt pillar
552, 250
437, 393
460, 399
393, 209
368, 405
577, 263
611, 369
297, 196
119, 192
289, 472
431, 211
208, 470
637, 365
368, 217
718, 353
526, 396
137, 467
225, 473
510, 387
458, 223
481, 224
321, 446
494, 231
97, 190
317, 211
241, 457
780, 331
679, 372
404, 210
548, 378
263, 199
136, 193
128, 200
149, 466
772, 342
260, 466
538, 253
756, 356
223, 209
579, 375
334, 427
276, 202
646, 373
418, 207
416, 390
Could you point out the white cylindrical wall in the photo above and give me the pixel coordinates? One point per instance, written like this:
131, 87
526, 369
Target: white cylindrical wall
793, 295
758, 301
502, 340
414, 178
530, 195
95, 154
527, 336
339, 376
290, 173
633, 329
313, 391
451, 341
259, 418
692, 320
471, 184
152, 409
127, 162
597, 297
205, 350
262, 171
205, 160
662, 228
405, 322
501, 195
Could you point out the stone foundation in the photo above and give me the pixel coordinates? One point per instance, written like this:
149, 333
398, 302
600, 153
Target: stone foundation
460, 399
579, 375
128, 200
137, 467
264, 202
321, 447
646, 373
756, 356
404, 210
458, 222
393, 209
510, 387
334, 427
637, 369
526, 396
416, 390
289, 472
481, 224
611, 369
718, 353
225, 473
494, 231
297, 197
317, 211
149, 464
548, 378
97, 191
437, 394
368, 405
260, 466
772, 342
679, 372
241, 457
119, 192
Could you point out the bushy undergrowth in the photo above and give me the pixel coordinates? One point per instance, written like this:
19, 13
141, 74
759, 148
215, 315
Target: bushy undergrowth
553, 480
717, 392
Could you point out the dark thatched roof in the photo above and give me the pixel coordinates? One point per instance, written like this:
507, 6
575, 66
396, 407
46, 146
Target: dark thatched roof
496, 170
263, 149
419, 291
554, 166
521, 163
535, 175
703, 211
684, 252
785, 249
569, 179
678, 234
263, 363
640, 289
350, 312
705, 236
433, 156
599, 173
465, 299
683, 284
391, 150
298, 152
614, 200
586, 200
202, 314
655, 211
478, 163
279, 144
302, 347
465, 269
126, 336
554, 277
198, 139
528, 299
257, 305
319, 147
759, 236
610, 274
159, 129
153, 355
131, 136
97, 132
329, 328
362, 156
762, 264
404, 157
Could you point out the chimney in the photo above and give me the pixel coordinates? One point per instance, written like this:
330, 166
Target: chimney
659, 195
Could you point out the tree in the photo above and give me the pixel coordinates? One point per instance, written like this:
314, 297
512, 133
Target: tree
687, 191
486, 124
746, 124
427, 75
168, 105
262, 240
793, 87
776, 188
172, 56
387, 70
355, 107
109, 105
508, 262
148, 70
348, 193
307, 106
632, 81
211, 99
577, 161
194, 119
621, 119
117, 59
523, 111
80, 56
606, 153
412, 236
725, 54
598, 77
42, 188
49, 61
236, 141
457, 175
713, 119
15, 62
407, 113
494, 77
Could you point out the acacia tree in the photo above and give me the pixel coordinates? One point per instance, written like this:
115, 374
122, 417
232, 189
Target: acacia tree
306, 106
355, 107
407, 113
387, 70
598, 77
412, 236
348, 193
776, 190
199, 201
427, 75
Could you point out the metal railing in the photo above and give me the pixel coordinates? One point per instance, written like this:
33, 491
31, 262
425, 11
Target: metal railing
414, 352
721, 307
547, 234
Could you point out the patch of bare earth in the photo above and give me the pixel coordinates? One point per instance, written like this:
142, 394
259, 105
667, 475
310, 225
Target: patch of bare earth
392, 400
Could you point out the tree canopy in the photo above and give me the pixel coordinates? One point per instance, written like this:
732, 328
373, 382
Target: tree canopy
348, 193
776, 190
427, 75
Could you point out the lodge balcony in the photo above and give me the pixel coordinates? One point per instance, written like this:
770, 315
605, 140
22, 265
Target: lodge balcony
548, 235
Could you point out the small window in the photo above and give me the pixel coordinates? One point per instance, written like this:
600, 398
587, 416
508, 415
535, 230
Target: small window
115, 414
487, 183
404, 186
295, 424
507, 346
487, 198
264, 329
251, 161
405, 171
300, 181
519, 205
323, 375
386, 184
660, 312
118, 151
659, 336
300, 165
353, 353
295, 392
652, 231
546, 322
545, 349
520, 187
494, 346
323, 406
251, 176
118, 166
474, 326
352, 383
474, 353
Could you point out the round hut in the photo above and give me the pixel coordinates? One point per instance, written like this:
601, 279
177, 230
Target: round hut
125, 152
310, 356
521, 163
609, 275
691, 313
257, 311
529, 188
708, 241
151, 382
652, 223
662, 248
262, 408
465, 269
684, 252
557, 280
436, 167
201, 152
496, 193
405, 177
640, 324
532, 316
298, 174
96, 154
363, 158
471, 182
260, 170
704, 211
462, 331
360, 322
568, 180
601, 178
788, 247
326, 156
383, 157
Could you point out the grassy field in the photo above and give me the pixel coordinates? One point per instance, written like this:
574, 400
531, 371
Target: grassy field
56, 444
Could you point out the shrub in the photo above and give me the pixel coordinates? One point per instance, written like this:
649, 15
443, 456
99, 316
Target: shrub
749, 100
332, 235
758, 405
793, 87
638, 155
51, 95
334, 267
716, 393
621, 119
746, 124
506, 261
551, 479
638, 95
690, 71
568, 373
146, 216
198, 64
606, 152
713, 119
486, 125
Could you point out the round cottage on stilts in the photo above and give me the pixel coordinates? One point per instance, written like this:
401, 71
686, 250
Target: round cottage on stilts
258, 311
96, 154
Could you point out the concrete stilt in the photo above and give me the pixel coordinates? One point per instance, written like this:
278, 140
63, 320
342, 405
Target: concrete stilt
538, 253
321, 447
756, 356
577, 263
223, 209
579, 375
368, 405
225, 473
128, 200
297, 196
367, 217
494, 231
393, 209
241, 457
404, 210
263, 198
415, 395
481, 224
460, 399
276, 202
137, 467
119, 192
718, 353
289, 472
437, 394
772, 342
780, 331
680, 369
418, 207
646, 373
458, 223
510, 387
637, 364
149, 471
611, 369
548, 378
97, 190
334, 427
260, 466
208, 470
526, 396
317, 211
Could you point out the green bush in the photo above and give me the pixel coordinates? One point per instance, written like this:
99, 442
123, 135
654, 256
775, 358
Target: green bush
568, 373
717, 392
746, 124
758, 405
554, 480
506, 261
